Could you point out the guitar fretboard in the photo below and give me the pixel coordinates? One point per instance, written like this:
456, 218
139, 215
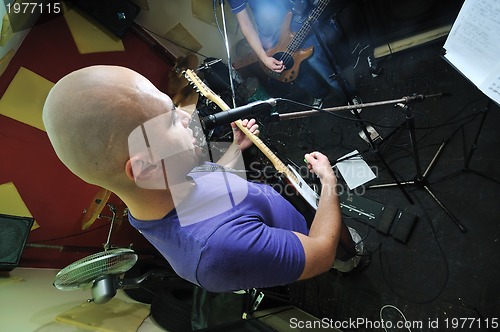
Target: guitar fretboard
306, 27
203, 89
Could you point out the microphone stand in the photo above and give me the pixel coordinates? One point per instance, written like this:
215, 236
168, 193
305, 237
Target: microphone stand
312, 112
472, 149
421, 180
228, 53
354, 109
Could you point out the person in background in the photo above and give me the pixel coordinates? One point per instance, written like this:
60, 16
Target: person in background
317, 76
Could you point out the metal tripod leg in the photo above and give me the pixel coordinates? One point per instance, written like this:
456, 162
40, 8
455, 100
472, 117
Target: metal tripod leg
472, 149
421, 180
381, 158
424, 184
426, 187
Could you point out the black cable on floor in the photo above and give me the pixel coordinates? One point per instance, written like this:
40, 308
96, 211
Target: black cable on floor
441, 251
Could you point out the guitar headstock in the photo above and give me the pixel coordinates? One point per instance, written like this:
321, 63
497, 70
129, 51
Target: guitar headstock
203, 89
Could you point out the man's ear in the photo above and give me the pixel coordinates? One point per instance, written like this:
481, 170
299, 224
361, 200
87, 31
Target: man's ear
129, 168
145, 174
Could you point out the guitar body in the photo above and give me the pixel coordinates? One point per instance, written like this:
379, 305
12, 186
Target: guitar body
293, 197
291, 60
302, 197
281, 52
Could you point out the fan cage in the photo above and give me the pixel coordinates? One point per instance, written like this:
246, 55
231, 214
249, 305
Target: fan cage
87, 269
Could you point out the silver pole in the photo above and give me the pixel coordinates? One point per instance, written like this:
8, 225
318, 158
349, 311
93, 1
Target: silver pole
226, 42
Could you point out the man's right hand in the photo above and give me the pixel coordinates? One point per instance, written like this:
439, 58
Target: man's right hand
273, 64
319, 164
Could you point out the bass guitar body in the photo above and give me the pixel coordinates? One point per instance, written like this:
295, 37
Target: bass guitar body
291, 59
283, 51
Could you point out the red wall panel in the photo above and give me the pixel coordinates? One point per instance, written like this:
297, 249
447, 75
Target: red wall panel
55, 197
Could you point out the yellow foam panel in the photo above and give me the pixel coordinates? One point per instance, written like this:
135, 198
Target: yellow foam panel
11, 202
6, 32
24, 98
114, 316
90, 36
179, 35
5, 60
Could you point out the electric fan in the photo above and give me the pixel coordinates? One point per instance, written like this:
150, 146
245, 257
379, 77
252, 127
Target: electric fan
101, 271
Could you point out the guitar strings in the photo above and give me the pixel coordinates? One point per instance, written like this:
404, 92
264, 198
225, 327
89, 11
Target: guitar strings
302, 33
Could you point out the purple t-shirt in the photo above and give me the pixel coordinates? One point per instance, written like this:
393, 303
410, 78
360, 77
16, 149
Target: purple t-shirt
220, 246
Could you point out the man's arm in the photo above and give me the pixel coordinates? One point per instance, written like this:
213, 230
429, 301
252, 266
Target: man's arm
320, 245
252, 37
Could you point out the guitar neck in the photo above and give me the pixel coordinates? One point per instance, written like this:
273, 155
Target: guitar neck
299, 37
209, 94
277, 163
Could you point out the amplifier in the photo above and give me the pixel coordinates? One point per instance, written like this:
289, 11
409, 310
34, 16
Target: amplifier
14, 232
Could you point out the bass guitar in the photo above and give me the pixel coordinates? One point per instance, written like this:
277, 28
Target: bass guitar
287, 48
289, 172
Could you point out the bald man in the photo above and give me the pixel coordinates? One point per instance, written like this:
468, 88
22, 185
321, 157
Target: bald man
113, 128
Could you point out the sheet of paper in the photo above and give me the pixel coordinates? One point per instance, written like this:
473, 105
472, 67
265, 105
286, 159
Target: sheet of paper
355, 170
473, 45
492, 86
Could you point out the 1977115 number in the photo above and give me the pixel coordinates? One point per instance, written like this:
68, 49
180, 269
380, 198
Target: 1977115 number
33, 8
471, 323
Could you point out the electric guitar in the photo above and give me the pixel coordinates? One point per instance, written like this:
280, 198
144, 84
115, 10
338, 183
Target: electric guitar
293, 177
287, 48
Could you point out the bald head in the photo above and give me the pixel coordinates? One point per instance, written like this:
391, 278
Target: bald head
89, 114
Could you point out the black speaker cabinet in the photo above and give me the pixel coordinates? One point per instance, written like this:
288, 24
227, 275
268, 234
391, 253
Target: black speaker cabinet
115, 15
14, 232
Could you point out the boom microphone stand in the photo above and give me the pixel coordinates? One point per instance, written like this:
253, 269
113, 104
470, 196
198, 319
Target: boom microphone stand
228, 53
421, 181
349, 96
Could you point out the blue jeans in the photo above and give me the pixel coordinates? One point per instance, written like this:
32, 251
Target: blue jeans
317, 75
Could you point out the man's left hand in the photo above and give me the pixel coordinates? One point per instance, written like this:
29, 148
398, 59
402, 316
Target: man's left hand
240, 138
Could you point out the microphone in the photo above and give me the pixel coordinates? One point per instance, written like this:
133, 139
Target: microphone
240, 112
